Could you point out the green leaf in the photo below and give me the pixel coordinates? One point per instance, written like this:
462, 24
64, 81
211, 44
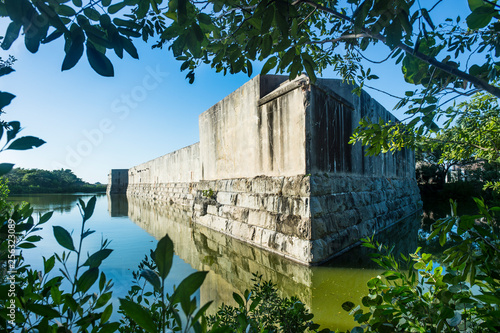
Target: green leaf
99, 62
138, 314
270, 64
26, 246
267, 43
473, 4
442, 238
142, 9
89, 208
287, 57
48, 264
255, 303
163, 256
26, 142
63, 238
77, 3
204, 18
6, 70
197, 32
87, 279
75, 50
15, 127
109, 327
480, 17
348, 306
106, 3
96, 259
45, 217
201, 311
488, 298
113, 9
309, 66
152, 278
427, 17
5, 99
56, 294
238, 299
16, 9
106, 314
5, 168
181, 11
103, 300
92, 14
455, 320
11, 35
65, 10
102, 281
34, 238
187, 287
129, 47
54, 19
43, 310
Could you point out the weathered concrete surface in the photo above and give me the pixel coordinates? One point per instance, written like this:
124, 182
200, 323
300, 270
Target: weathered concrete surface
239, 138
171, 178
334, 112
180, 166
274, 168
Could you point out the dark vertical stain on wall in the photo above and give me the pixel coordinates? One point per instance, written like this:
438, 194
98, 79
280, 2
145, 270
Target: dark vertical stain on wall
270, 133
260, 134
321, 150
333, 129
282, 106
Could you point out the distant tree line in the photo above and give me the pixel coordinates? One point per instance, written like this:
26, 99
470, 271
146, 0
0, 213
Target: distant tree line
23, 181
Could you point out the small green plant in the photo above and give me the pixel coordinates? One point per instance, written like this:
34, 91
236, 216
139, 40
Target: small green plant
263, 310
153, 310
77, 297
208, 193
38, 301
416, 295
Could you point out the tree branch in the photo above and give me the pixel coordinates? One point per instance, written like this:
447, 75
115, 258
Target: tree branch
479, 83
338, 39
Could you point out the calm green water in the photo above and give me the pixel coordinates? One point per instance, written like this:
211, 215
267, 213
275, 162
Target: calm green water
134, 226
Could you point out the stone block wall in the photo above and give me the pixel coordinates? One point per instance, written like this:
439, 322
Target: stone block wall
270, 212
346, 208
173, 193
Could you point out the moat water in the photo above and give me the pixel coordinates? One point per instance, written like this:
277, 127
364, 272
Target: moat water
134, 226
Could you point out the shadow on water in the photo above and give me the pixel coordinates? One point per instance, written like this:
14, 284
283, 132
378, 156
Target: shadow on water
232, 263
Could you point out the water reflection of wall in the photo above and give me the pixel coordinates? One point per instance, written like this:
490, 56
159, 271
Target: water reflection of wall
232, 263
117, 205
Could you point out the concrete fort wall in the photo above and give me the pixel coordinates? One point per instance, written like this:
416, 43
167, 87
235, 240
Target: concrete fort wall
171, 178
240, 138
274, 168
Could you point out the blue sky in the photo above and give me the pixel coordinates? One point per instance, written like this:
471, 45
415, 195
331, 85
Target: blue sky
93, 124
